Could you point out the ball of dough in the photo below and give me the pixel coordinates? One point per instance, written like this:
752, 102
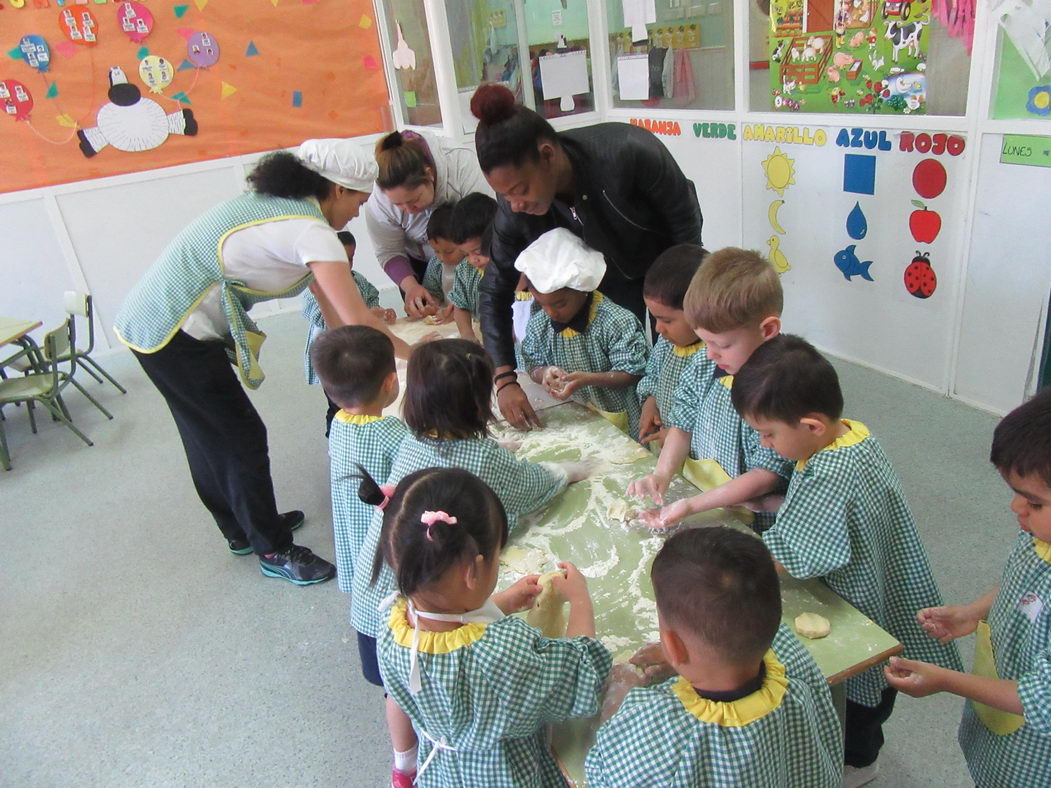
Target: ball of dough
547, 615
812, 626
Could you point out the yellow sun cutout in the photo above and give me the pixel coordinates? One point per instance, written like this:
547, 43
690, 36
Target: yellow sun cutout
779, 171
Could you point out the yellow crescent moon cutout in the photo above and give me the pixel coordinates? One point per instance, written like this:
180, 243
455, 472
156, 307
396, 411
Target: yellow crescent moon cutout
771, 214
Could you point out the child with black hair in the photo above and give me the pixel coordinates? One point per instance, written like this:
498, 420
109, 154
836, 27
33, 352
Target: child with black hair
749, 705
1006, 724
579, 341
472, 228
663, 290
316, 322
844, 519
448, 407
356, 367
478, 684
440, 276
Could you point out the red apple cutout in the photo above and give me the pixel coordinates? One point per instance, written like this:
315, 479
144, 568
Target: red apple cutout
928, 179
920, 279
924, 224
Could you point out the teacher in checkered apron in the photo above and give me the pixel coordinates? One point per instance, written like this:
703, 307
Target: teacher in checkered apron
187, 323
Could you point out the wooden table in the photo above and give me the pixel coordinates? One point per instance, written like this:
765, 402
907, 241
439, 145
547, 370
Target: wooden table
15, 331
616, 558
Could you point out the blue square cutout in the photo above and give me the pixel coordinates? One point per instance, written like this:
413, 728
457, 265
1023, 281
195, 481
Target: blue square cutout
859, 174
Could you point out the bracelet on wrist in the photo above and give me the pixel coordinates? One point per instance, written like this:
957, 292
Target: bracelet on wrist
505, 385
510, 373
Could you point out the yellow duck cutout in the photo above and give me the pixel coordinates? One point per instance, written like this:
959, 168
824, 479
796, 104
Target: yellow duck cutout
777, 257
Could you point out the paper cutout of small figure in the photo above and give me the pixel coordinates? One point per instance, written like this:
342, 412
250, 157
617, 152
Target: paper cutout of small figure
403, 56
857, 224
777, 257
847, 262
132, 123
920, 279
15, 99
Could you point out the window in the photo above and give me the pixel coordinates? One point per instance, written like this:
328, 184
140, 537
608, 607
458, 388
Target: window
410, 50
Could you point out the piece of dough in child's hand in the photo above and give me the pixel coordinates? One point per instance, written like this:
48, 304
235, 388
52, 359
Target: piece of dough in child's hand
629, 456
621, 512
812, 626
547, 614
432, 320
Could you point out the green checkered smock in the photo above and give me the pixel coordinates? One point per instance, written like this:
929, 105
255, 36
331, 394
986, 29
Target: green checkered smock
372, 442
316, 323
845, 519
465, 288
188, 269
521, 486
487, 692
432, 279
669, 736
1020, 626
614, 341
663, 371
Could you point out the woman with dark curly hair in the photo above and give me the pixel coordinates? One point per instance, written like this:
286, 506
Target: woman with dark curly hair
187, 321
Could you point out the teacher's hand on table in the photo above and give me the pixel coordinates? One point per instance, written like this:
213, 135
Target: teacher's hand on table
514, 406
418, 300
519, 595
653, 487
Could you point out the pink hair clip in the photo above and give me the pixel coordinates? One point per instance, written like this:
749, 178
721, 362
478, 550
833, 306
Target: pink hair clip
430, 518
388, 493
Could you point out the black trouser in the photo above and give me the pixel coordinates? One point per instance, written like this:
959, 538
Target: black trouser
224, 439
864, 729
330, 414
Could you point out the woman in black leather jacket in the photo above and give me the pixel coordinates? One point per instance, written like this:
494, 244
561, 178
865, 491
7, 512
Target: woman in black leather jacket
613, 184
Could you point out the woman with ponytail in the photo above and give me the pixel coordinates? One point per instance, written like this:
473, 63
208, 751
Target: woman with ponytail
417, 172
613, 184
187, 320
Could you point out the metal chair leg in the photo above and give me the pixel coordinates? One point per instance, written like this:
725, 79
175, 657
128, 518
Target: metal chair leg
32, 417
5, 455
105, 374
86, 368
51, 406
94, 401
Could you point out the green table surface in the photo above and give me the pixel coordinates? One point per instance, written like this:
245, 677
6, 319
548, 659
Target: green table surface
615, 557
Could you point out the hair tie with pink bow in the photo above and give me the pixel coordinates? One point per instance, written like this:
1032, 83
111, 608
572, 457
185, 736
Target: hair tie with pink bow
388, 493
430, 518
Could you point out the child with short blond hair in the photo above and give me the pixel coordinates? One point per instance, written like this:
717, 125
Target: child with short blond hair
733, 305
844, 519
749, 706
1005, 732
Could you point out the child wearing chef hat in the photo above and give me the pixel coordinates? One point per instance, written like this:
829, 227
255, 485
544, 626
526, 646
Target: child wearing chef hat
579, 342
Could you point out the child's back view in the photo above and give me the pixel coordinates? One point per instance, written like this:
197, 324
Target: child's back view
749, 706
479, 686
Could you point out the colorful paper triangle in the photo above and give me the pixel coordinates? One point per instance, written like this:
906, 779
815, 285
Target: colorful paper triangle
186, 65
252, 49
226, 90
67, 121
52, 90
180, 10
200, 4
180, 96
143, 52
15, 54
297, 98
365, 22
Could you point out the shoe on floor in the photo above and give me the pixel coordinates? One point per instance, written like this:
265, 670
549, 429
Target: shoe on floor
293, 519
856, 776
401, 779
297, 565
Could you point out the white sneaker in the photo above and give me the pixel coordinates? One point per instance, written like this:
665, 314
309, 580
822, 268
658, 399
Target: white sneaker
854, 776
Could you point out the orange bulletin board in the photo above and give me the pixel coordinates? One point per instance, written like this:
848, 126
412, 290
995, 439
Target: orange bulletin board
245, 76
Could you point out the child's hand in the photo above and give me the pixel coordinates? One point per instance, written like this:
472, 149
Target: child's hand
654, 664
431, 337
444, 315
918, 679
653, 487
622, 679
650, 426
572, 585
552, 380
577, 471
519, 595
571, 381
388, 316
669, 515
947, 622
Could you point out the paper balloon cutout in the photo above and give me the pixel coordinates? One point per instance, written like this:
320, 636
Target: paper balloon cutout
135, 20
15, 99
202, 50
156, 73
35, 52
79, 26
857, 224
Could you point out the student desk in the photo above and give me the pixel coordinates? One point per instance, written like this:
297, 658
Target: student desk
615, 557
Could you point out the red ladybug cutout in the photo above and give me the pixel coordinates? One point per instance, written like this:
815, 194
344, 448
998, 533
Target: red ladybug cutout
920, 279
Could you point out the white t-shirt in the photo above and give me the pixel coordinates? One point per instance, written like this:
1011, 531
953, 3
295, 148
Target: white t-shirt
269, 256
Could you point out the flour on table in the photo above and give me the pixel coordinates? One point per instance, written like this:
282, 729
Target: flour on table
621, 512
630, 455
523, 561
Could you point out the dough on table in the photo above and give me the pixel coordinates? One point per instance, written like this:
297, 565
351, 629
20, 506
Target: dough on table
621, 512
522, 561
432, 320
547, 614
812, 626
629, 456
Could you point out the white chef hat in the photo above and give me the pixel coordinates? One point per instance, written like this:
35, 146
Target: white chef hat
560, 259
342, 161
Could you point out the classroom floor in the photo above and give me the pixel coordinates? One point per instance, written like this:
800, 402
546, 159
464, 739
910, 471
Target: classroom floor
138, 651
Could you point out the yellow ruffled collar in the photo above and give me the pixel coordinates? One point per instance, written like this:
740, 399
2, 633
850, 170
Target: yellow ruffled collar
431, 642
685, 351
855, 435
737, 713
1042, 550
596, 299
355, 418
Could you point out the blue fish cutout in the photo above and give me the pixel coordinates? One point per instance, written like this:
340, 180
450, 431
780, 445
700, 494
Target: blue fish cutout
848, 263
857, 224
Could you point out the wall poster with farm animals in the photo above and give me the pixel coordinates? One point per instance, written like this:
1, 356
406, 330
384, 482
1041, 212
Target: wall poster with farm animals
849, 55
